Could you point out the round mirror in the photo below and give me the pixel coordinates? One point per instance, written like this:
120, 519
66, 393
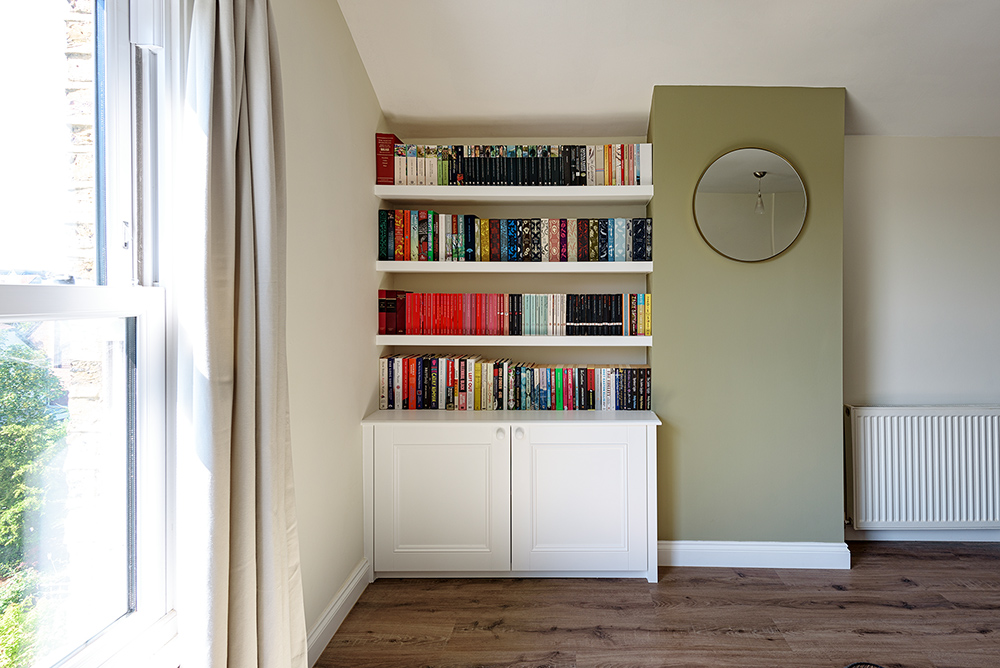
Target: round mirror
750, 205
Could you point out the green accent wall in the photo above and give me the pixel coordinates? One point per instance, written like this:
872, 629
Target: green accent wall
748, 357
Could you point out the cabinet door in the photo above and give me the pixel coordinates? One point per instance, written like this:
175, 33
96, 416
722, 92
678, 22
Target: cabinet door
578, 498
442, 497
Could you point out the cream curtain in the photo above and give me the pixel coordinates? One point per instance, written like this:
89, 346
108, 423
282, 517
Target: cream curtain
239, 585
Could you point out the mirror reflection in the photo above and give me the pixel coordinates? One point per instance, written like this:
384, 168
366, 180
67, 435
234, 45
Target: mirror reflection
750, 205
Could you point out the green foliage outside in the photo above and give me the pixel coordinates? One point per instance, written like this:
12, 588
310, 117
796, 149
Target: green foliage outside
19, 618
31, 431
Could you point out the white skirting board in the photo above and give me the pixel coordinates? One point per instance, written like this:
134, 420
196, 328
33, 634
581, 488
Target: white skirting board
320, 635
753, 554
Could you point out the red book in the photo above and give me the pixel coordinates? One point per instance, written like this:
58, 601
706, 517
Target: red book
412, 387
563, 240
382, 307
401, 312
390, 312
494, 240
582, 240
404, 383
482, 314
385, 168
406, 236
591, 389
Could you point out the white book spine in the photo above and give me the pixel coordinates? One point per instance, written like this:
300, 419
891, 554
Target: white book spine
411, 165
442, 383
445, 222
421, 165
550, 320
399, 164
591, 165
599, 165
431, 156
397, 382
645, 172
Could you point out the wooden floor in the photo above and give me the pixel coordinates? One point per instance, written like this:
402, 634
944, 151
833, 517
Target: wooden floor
901, 604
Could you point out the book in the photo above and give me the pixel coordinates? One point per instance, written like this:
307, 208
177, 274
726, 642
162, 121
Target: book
385, 158
411, 164
619, 240
384, 240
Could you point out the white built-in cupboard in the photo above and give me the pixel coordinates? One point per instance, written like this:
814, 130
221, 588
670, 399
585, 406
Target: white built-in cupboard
525, 493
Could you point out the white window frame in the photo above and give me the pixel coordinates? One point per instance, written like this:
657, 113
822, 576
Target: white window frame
152, 623
135, 128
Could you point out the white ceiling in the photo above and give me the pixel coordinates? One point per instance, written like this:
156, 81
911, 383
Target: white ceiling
556, 68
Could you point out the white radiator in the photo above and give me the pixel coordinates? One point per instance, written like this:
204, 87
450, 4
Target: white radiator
929, 467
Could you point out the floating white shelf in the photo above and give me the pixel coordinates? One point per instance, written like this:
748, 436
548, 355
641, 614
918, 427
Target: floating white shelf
533, 417
511, 341
514, 267
516, 194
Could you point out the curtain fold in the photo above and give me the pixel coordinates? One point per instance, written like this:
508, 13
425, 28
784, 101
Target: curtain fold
240, 589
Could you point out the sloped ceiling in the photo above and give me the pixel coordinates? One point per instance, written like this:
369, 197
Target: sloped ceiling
550, 68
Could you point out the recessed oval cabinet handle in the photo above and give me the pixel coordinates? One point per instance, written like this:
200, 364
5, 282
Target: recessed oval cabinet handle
519, 433
501, 434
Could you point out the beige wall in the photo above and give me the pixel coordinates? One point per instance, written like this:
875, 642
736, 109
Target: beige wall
331, 116
921, 270
747, 365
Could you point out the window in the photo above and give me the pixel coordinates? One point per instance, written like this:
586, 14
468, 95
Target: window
83, 466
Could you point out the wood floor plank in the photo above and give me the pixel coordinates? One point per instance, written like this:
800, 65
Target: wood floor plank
907, 605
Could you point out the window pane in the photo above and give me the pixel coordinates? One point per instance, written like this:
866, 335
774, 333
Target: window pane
65, 462
48, 175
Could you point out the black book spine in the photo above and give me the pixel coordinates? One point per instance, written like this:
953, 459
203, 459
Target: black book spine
520, 315
602, 240
524, 239
649, 239
590, 319
390, 378
470, 238
536, 239
570, 315
639, 238
649, 388
615, 311
420, 383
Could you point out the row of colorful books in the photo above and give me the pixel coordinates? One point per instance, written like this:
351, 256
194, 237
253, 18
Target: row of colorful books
399, 163
469, 383
413, 235
495, 314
